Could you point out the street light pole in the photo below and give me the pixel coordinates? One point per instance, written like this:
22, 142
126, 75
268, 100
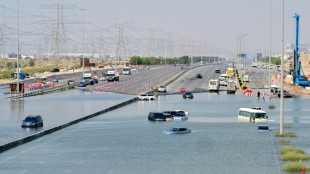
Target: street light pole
270, 55
17, 49
282, 73
83, 9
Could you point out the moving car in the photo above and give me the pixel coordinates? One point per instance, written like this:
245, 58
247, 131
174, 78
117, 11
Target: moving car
55, 70
162, 89
198, 76
159, 116
82, 84
188, 95
95, 80
217, 70
33, 121
177, 130
55, 80
180, 116
102, 78
146, 97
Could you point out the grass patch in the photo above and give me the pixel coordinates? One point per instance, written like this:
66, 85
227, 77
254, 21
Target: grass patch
286, 134
295, 157
291, 150
271, 106
295, 167
284, 142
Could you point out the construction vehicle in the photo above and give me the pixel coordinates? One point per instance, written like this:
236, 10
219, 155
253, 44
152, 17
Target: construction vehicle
297, 77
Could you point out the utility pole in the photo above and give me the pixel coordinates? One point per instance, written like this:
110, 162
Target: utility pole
83, 9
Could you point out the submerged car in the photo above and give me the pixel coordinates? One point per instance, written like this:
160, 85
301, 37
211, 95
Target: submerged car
146, 97
188, 95
180, 116
263, 128
177, 130
33, 121
159, 116
162, 89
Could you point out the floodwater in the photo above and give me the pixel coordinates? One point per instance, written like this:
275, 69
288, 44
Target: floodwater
124, 141
56, 108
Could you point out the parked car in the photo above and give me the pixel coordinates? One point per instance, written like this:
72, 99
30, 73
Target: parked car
55, 70
55, 80
159, 116
177, 130
92, 82
198, 76
71, 82
82, 84
217, 70
146, 97
33, 121
188, 95
162, 89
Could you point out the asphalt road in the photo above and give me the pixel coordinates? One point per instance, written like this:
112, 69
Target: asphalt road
193, 84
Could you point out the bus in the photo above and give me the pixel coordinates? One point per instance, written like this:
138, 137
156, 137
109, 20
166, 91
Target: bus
252, 115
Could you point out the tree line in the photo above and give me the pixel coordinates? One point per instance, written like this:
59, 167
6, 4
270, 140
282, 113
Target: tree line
137, 60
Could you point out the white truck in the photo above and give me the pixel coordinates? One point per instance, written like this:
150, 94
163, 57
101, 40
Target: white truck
223, 79
126, 71
112, 76
87, 78
231, 87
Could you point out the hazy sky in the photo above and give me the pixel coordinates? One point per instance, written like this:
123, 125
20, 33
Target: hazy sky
215, 22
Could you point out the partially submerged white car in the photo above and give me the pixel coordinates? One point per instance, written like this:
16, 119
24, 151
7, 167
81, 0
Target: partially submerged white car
146, 97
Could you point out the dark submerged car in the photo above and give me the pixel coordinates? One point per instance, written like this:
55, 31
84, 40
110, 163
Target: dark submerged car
159, 116
188, 95
33, 121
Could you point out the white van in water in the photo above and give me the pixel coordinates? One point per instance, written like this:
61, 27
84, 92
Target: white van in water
214, 85
252, 115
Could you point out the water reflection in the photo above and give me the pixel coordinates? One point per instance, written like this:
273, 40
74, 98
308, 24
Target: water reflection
17, 108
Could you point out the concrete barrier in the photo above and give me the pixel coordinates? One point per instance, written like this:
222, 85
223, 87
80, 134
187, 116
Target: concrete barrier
27, 139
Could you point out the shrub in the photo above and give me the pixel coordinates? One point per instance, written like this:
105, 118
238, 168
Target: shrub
291, 150
295, 167
295, 157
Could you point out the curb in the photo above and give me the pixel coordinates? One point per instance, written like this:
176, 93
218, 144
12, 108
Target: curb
30, 138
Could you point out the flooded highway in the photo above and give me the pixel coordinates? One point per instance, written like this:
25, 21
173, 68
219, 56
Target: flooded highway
124, 141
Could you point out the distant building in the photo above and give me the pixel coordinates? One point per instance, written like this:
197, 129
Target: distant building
259, 57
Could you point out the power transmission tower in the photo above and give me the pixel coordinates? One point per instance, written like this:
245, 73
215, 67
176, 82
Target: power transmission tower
59, 44
2, 49
120, 48
101, 45
152, 44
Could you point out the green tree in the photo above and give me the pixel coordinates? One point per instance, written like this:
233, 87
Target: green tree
135, 60
31, 62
